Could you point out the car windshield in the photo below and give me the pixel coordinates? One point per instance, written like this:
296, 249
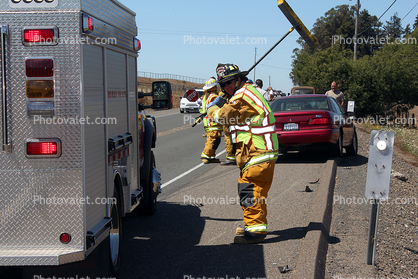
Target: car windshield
295, 104
303, 91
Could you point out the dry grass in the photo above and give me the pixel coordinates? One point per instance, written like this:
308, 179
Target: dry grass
406, 139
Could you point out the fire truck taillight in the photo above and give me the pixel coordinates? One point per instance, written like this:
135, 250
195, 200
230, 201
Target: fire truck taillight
137, 44
39, 67
39, 36
42, 109
40, 88
43, 148
88, 23
65, 238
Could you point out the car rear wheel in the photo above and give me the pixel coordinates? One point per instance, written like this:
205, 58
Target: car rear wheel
337, 148
353, 148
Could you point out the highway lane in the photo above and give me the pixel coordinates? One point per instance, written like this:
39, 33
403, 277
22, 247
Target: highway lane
193, 237
178, 149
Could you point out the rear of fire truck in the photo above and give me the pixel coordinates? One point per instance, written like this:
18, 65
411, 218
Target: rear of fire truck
70, 158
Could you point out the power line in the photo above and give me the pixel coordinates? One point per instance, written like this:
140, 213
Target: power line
377, 19
409, 11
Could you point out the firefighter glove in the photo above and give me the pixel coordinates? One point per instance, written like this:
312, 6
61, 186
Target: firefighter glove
219, 101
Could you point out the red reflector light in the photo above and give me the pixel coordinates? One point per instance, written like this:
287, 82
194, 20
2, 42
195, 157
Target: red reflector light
42, 148
91, 24
39, 35
88, 23
137, 44
39, 67
65, 238
319, 121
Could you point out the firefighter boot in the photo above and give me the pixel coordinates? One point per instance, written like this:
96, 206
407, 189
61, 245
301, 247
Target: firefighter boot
240, 231
208, 161
249, 238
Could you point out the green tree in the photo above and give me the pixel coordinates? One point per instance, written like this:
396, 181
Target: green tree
393, 28
379, 83
387, 80
337, 21
415, 23
337, 27
368, 27
321, 68
407, 29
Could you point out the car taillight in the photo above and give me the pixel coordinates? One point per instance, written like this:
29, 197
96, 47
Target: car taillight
319, 121
40, 36
43, 148
39, 67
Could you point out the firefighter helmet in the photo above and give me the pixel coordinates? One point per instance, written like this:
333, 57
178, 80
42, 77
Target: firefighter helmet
210, 83
227, 72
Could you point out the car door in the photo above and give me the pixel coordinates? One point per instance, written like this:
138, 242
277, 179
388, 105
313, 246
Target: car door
346, 123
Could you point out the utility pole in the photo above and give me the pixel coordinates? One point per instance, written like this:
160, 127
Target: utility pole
355, 31
255, 59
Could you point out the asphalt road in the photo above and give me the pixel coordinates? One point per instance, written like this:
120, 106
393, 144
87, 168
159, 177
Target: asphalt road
191, 233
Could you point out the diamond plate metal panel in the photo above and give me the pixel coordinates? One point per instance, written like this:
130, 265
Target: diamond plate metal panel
62, 5
42, 198
111, 11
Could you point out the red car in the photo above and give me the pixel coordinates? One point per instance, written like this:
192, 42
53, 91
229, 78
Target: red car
314, 120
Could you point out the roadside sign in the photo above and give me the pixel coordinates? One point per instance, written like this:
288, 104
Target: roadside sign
350, 106
377, 183
192, 95
380, 164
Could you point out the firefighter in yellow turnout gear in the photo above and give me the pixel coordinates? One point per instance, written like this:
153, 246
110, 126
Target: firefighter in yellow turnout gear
229, 146
213, 129
252, 127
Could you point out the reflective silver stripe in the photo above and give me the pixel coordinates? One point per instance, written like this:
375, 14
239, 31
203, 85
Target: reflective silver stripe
269, 141
258, 102
263, 130
216, 116
239, 127
256, 228
203, 155
259, 159
213, 128
233, 136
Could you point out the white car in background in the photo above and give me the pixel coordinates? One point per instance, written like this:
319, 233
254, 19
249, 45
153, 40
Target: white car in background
188, 106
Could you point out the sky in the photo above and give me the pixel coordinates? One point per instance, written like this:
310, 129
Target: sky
191, 37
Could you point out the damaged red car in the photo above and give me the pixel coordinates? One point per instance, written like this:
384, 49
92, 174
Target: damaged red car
305, 121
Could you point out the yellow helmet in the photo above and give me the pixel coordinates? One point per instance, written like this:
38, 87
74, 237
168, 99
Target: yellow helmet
210, 83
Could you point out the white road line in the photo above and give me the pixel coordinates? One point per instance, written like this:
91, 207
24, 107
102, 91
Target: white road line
166, 115
187, 172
